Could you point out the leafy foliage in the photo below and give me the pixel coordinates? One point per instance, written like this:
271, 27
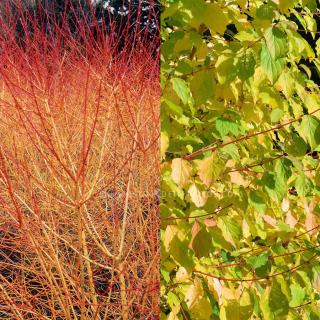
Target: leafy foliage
240, 147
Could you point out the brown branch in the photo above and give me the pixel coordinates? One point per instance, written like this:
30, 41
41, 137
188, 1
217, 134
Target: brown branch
261, 163
255, 278
198, 216
310, 230
301, 305
213, 148
271, 257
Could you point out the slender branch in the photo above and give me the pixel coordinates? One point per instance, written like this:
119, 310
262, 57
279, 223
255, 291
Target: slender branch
253, 279
213, 148
198, 216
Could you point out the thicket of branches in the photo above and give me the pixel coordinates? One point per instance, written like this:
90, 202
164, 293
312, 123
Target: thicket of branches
124, 22
78, 168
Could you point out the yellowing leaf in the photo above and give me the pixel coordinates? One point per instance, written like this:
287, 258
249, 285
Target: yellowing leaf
276, 42
225, 69
209, 169
232, 309
270, 220
272, 67
285, 83
201, 241
237, 178
298, 45
278, 302
312, 102
181, 171
309, 130
182, 89
170, 233
202, 310
199, 198
164, 144
215, 287
316, 282
182, 275
231, 228
215, 18
203, 86
247, 35
285, 205
194, 293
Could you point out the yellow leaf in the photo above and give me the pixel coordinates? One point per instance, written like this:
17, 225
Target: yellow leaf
237, 178
202, 310
285, 205
316, 283
215, 18
215, 287
181, 171
194, 294
182, 275
169, 234
164, 144
199, 198
209, 169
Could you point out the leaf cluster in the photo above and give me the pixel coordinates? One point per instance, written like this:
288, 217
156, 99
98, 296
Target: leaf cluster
240, 172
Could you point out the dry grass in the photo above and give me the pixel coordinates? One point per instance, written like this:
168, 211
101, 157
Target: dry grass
78, 186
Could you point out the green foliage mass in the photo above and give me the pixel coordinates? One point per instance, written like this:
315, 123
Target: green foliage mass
240, 143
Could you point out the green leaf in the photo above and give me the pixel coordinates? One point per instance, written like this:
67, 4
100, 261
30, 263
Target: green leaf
296, 147
274, 186
182, 89
258, 261
173, 300
309, 130
246, 65
257, 201
172, 108
226, 126
201, 241
298, 294
272, 67
276, 42
226, 71
265, 12
203, 86
283, 169
180, 253
278, 301
231, 229
276, 115
303, 186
